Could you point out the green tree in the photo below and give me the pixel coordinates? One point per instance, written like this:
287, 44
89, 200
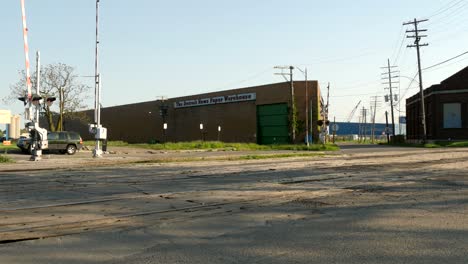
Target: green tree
59, 81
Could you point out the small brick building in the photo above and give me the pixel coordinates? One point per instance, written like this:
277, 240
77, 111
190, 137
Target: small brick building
260, 114
446, 107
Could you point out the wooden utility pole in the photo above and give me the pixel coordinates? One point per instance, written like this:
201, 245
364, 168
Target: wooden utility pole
386, 127
365, 123
388, 76
417, 38
293, 106
374, 104
326, 113
306, 104
293, 116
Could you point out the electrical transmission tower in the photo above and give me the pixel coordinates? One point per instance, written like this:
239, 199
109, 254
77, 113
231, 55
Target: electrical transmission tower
388, 75
417, 38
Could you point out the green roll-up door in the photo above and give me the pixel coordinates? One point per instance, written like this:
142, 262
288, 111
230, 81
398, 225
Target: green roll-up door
273, 124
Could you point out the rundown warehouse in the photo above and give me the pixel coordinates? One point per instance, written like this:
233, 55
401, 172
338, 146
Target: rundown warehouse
260, 114
446, 110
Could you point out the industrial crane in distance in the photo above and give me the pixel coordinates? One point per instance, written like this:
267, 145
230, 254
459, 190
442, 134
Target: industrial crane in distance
350, 116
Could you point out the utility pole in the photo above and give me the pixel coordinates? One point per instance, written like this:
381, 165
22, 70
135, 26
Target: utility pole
388, 76
307, 108
417, 38
324, 128
306, 104
363, 125
386, 127
293, 104
374, 104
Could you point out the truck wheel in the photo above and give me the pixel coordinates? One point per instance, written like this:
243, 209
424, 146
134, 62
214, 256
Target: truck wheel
71, 149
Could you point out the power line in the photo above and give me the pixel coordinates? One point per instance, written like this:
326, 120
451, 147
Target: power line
447, 65
255, 76
445, 61
432, 66
340, 59
447, 7
354, 95
457, 18
399, 50
357, 85
453, 35
401, 35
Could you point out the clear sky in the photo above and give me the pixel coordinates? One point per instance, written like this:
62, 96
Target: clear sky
153, 48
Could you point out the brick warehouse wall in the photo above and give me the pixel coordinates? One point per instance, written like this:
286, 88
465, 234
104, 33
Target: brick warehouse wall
452, 90
142, 122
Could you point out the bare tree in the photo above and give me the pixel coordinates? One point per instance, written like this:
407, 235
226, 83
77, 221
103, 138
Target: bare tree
59, 81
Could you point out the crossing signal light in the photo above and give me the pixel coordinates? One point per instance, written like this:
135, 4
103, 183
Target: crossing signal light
321, 122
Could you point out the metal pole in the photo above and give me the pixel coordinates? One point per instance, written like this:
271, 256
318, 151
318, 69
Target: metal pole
399, 108
306, 108
365, 124
97, 108
373, 120
391, 96
38, 83
326, 114
386, 122
293, 123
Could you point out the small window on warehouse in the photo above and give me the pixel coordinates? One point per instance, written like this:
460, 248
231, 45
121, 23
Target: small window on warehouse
452, 115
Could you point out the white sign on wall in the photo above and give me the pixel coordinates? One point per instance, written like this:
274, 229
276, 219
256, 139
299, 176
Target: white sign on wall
452, 115
216, 100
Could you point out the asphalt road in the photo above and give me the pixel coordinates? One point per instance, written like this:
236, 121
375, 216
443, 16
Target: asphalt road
365, 205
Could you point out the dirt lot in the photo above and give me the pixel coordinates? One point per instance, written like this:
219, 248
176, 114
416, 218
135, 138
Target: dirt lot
361, 205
